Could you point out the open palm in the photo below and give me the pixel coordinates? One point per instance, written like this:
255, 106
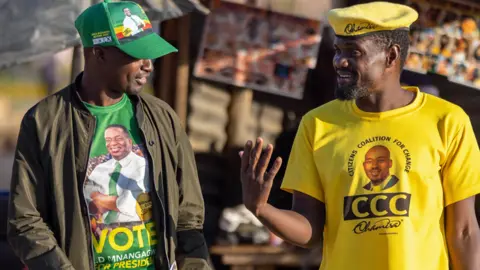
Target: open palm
256, 181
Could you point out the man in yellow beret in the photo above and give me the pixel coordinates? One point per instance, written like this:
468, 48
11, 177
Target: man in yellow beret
423, 220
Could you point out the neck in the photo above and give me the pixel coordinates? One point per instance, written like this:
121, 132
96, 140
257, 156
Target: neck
94, 91
391, 98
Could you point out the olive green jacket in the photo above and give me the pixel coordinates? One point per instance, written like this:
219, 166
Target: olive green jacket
48, 226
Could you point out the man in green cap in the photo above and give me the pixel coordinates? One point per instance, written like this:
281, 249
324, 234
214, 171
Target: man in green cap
104, 175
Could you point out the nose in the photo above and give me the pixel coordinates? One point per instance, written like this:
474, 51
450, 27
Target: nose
147, 65
340, 62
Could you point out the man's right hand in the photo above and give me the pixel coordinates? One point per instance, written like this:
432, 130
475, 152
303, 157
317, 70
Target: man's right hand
104, 202
303, 225
256, 181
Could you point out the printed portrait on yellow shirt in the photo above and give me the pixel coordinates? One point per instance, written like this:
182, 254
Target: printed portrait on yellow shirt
377, 165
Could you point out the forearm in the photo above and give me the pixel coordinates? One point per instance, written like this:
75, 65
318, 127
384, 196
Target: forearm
111, 203
288, 225
32, 240
465, 250
107, 202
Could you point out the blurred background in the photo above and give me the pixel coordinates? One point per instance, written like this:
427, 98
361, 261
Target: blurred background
245, 68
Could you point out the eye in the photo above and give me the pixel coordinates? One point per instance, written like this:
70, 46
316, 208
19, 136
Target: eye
356, 53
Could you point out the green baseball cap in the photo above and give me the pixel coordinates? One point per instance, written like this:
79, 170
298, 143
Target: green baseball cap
122, 24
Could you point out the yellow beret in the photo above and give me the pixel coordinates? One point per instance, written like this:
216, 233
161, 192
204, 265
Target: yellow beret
371, 17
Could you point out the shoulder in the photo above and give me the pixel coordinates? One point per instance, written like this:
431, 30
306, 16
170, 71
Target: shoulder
160, 108
445, 112
138, 159
101, 167
444, 107
449, 119
48, 108
329, 112
328, 108
153, 101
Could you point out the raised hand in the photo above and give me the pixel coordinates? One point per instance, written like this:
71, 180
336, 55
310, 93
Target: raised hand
256, 181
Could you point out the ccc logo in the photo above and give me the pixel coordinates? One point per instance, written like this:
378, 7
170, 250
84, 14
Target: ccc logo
376, 205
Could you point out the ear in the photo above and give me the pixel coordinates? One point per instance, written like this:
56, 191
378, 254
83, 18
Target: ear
393, 54
99, 53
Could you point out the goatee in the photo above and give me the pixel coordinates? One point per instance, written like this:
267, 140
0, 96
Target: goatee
350, 92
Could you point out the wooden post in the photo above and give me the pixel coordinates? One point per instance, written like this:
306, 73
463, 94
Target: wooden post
172, 71
240, 106
239, 114
182, 78
165, 66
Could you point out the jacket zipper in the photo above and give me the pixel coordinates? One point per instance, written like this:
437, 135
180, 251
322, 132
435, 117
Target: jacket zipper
160, 199
85, 216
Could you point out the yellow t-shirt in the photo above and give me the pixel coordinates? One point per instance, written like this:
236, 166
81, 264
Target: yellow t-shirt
385, 179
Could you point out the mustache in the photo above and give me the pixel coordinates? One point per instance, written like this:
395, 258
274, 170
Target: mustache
346, 72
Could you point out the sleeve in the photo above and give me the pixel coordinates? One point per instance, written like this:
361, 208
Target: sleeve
27, 232
301, 173
127, 204
461, 171
192, 251
91, 186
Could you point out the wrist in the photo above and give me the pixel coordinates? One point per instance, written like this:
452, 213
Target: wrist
260, 211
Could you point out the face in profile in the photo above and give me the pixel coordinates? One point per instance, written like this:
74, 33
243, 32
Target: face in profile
123, 73
118, 143
360, 66
377, 164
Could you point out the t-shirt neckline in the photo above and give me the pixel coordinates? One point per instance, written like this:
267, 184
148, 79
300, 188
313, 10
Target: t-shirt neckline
106, 109
416, 104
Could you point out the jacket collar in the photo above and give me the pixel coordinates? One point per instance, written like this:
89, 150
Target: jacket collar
74, 96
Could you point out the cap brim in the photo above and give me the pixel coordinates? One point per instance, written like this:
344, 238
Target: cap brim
148, 47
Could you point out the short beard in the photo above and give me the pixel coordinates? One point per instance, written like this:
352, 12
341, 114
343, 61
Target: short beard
350, 92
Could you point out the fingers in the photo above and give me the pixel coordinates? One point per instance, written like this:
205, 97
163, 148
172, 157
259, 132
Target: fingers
264, 160
270, 175
245, 155
255, 155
